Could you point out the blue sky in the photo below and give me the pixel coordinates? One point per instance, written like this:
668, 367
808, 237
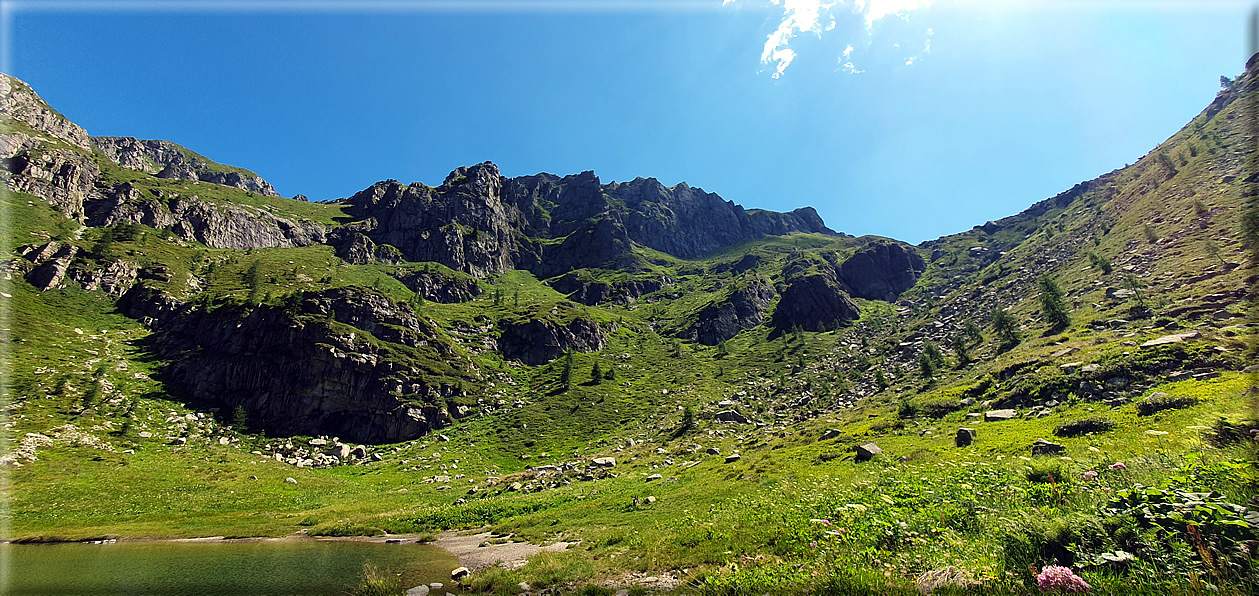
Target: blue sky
1001, 104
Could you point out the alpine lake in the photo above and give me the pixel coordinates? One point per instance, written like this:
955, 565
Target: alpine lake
152, 568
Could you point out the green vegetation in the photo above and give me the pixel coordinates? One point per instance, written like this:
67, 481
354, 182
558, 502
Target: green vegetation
1154, 490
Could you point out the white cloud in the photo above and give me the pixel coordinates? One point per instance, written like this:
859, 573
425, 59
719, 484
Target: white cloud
874, 10
800, 16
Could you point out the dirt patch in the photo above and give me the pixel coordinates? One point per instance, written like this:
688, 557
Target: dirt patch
475, 557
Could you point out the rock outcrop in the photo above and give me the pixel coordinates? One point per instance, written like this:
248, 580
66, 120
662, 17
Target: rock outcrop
165, 159
21, 104
742, 308
580, 287
482, 223
597, 243
538, 341
881, 270
61, 176
815, 301
440, 288
462, 224
322, 364
215, 224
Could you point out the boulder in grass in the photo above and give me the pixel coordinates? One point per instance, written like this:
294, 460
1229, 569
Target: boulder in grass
998, 415
1043, 447
868, 451
964, 437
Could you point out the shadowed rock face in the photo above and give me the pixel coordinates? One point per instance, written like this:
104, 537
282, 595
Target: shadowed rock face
881, 271
462, 224
539, 341
742, 309
591, 292
815, 301
295, 373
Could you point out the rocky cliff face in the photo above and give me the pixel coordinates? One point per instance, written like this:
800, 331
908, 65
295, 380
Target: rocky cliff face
601, 242
321, 365
480, 222
215, 224
440, 288
581, 288
21, 104
743, 308
64, 177
165, 159
462, 224
816, 301
538, 341
881, 270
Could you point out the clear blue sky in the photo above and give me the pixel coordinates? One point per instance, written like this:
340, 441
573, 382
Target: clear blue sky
1014, 102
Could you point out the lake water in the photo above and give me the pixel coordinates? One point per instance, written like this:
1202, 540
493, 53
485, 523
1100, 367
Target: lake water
228, 568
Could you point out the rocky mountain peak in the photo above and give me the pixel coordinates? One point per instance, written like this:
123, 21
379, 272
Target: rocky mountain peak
20, 103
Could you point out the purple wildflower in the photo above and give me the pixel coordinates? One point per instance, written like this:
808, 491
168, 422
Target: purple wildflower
1118, 466
1055, 578
1089, 475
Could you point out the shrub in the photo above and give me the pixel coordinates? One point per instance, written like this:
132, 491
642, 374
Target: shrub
1096, 424
939, 408
1052, 471
1158, 403
1224, 433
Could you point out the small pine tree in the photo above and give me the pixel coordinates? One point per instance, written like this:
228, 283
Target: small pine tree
962, 350
1213, 251
516, 299
926, 365
1151, 236
254, 278
1006, 328
972, 332
933, 352
240, 420
688, 420
596, 374
498, 297
1101, 262
879, 379
1053, 305
566, 374
1134, 283
722, 350
610, 374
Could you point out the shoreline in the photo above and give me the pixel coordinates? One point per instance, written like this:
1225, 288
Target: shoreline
473, 549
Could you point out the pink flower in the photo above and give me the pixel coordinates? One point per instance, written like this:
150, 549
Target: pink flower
1118, 466
1089, 475
1055, 578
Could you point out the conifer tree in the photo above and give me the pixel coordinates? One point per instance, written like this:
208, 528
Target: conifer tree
1006, 328
1053, 306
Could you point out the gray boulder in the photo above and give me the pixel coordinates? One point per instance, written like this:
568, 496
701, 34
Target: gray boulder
868, 451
